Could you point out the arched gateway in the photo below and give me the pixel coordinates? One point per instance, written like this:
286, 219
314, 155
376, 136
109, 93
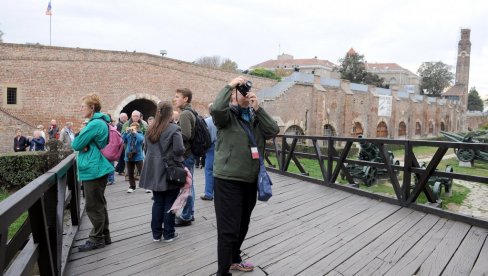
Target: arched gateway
145, 103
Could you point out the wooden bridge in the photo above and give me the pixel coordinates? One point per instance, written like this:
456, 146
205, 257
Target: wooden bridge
305, 229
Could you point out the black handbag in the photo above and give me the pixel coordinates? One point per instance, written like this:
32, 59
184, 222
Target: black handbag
175, 171
176, 174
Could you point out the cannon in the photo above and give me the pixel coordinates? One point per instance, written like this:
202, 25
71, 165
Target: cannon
438, 182
468, 155
368, 174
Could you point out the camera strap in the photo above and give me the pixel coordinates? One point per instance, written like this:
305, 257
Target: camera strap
254, 146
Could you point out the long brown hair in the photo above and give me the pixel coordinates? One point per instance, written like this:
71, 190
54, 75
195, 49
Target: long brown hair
164, 116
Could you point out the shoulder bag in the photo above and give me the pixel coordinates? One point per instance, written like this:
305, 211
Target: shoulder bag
175, 171
264, 181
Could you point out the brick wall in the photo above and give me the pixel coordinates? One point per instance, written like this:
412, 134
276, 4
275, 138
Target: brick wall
51, 81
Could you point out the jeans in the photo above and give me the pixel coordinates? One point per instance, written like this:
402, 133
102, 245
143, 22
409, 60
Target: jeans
234, 202
111, 176
209, 179
96, 208
188, 210
120, 168
161, 205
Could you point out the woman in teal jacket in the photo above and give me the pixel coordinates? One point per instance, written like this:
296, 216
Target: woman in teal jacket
93, 169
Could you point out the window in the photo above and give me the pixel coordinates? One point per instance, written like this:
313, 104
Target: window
382, 130
11, 95
402, 129
418, 129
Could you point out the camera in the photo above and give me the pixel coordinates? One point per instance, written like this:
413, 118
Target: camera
244, 88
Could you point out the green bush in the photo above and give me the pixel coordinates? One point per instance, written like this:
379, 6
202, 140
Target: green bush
19, 168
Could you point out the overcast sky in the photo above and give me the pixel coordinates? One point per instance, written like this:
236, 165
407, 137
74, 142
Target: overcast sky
250, 32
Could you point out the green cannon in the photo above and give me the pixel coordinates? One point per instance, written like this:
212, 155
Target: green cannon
468, 155
438, 182
368, 174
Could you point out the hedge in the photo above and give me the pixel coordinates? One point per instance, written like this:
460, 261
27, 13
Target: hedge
19, 168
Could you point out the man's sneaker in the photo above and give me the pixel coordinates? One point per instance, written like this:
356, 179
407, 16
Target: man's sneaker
206, 197
89, 245
179, 222
110, 183
156, 240
108, 240
148, 191
130, 190
172, 239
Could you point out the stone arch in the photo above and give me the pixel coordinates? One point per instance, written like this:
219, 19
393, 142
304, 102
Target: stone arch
418, 128
402, 129
393, 81
431, 128
294, 130
329, 130
145, 103
357, 129
382, 129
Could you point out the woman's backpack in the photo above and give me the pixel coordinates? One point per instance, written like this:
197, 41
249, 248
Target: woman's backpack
115, 144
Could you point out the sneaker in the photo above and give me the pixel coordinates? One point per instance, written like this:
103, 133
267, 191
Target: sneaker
110, 183
156, 240
243, 266
206, 197
108, 240
89, 245
179, 222
121, 173
148, 191
130, 190
172, 239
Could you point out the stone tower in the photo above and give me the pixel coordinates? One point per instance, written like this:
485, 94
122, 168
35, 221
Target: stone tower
463, 58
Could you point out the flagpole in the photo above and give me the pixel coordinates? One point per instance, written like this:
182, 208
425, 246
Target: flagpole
50, 16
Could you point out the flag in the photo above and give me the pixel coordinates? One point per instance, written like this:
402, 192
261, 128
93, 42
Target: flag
48, 10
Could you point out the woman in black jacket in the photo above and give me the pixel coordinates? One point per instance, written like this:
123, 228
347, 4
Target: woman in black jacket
164, 143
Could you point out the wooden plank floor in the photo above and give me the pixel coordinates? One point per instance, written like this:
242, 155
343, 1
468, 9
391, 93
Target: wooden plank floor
305, 229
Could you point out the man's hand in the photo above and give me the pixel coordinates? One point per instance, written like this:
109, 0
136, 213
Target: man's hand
236, 82
253, 99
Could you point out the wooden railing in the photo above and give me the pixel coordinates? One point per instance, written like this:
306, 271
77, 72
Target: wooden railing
406, 194
40, 239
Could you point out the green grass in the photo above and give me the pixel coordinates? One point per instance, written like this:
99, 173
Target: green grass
420, 152
478, 169
14, 227
459, 192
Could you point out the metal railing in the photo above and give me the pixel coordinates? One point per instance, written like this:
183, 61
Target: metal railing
40, 239
406, 193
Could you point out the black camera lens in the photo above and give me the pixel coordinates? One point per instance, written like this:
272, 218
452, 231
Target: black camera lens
244, 88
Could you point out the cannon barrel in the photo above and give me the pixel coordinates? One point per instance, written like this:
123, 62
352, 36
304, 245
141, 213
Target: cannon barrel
452, 136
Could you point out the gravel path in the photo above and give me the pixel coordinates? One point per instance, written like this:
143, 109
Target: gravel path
476, 203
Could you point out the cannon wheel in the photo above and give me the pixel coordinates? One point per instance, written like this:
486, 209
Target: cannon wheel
465, 155
437, 189
370, 176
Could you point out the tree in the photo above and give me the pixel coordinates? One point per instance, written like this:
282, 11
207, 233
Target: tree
434, 78
353, 68
217, 62
475, 103
261, 72
228, 65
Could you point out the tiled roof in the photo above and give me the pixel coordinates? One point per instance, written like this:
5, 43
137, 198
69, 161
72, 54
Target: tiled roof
383, 66
291, 63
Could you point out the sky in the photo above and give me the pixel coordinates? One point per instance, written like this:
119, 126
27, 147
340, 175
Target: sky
250, 32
